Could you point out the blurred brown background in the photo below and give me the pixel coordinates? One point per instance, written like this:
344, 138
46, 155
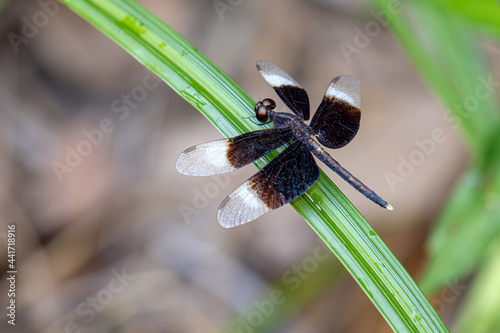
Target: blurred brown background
106, 244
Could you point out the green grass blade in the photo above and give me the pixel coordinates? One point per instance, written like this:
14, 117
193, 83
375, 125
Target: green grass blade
448, 57
446, 53
331, 215
484, 14
483, 304
465, 231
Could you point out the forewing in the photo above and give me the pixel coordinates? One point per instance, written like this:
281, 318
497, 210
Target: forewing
227, 155
336, 121
285, 178
290, 92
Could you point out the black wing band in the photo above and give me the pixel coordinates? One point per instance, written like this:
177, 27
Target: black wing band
285, 178
227, 155
290, 92
246, 148
336, 121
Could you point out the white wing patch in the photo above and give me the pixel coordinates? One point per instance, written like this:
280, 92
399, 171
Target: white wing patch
346, 88
276, 80
241, 206
335, 92
206, 159
275, 76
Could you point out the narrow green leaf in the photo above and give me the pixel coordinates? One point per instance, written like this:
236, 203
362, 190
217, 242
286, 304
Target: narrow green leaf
448, 57
484, 14
330, 214
483, 304
446, 52
465, 231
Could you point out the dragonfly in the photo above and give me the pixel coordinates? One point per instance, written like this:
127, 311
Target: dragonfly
294, 170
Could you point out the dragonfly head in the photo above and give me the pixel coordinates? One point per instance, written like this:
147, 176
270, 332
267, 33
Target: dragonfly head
263, 108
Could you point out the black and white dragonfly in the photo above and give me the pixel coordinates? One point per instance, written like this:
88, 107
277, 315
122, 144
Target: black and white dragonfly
294, 170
